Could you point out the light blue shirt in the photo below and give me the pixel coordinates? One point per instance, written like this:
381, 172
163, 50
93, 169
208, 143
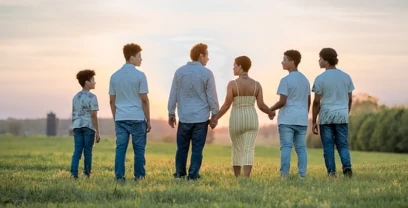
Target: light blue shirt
127, 83
82, 104
333, 85
194, 94
297, 89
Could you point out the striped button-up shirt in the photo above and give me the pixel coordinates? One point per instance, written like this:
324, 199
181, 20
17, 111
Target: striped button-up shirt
194, 94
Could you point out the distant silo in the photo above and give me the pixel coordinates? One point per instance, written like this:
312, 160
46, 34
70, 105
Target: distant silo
51, 124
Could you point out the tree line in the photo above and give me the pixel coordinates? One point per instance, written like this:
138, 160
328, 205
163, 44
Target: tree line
374, 127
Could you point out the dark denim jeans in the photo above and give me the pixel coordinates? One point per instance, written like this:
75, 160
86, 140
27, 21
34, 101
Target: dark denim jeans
83, 142
138, 131
331, 135
293, 135
197, 134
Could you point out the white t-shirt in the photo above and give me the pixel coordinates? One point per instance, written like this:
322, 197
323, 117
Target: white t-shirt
297, 89
127, 83
334, 86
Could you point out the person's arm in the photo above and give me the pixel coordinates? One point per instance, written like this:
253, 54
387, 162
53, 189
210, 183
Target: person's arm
350, 94
172, 103
309, 98
143, 90
315, 112
112, 100
94, 117
260, 101
146, 109
281, 102
318, 91
227, 103
212, 97
283, 95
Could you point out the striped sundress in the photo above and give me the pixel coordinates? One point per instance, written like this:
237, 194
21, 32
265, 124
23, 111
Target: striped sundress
243, 129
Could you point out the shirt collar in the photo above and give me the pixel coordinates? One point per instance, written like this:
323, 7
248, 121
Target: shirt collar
128, 66
194, 63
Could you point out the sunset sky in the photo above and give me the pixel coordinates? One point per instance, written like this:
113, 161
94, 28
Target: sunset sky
44, 43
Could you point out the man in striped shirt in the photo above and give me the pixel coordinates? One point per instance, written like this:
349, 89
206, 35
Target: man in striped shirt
194, 94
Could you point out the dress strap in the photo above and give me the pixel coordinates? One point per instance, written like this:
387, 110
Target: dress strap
237, 86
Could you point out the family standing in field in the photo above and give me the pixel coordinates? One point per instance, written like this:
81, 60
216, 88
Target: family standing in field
193, 93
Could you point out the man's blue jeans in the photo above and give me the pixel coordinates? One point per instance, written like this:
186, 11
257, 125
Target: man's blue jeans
83, 142
293, 135
197, 134
138, 131
331, 135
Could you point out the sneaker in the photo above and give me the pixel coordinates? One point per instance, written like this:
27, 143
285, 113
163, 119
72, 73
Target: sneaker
348, 172
193, 177
74, 177
284, 175
179, 175
139, 178
332, 174
121, 180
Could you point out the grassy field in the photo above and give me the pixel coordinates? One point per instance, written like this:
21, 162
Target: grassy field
34, 172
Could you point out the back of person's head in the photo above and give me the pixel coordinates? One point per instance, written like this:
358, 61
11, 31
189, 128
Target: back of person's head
131, 49
198, 49
293, 55
329, 55
85, 75
244, 62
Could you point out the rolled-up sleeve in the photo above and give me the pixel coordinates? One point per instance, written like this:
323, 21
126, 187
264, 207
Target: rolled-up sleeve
212, 97
171, 106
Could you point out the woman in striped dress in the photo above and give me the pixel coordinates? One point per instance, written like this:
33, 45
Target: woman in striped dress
243, 124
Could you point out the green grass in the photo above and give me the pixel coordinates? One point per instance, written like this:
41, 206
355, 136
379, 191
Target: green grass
34, 172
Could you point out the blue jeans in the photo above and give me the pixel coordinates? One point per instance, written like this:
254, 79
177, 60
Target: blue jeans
197, 134
293, 135
138, 131
83, 142
335, 134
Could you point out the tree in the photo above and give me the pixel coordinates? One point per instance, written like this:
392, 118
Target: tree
384, 131
380, 131
14, 126
364, 103
364, 133
355, 123
402, 144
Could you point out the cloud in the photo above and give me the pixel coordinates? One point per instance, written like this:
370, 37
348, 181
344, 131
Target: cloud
59, 19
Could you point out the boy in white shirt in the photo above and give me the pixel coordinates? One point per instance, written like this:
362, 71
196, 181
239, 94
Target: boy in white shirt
294, 104
84, 122
332, 102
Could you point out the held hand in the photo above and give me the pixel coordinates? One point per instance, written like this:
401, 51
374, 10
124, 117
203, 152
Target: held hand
213, 123
172, 122
97, 137
149, 127
272, 115
315, 128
